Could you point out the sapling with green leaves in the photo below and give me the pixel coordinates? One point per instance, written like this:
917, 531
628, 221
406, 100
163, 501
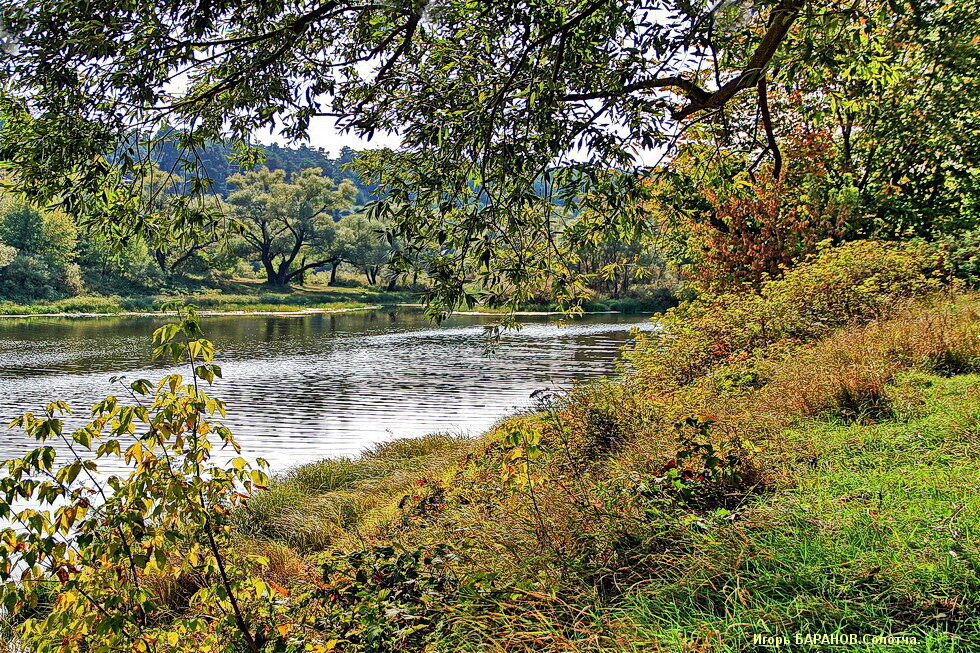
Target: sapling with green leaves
87, 550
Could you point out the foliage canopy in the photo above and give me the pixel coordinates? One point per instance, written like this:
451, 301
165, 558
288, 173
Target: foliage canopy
511, 115
504, 110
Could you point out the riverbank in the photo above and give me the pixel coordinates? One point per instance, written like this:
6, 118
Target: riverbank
247, 298
817, 480
795, 467
869, 531
258, 311
240, 300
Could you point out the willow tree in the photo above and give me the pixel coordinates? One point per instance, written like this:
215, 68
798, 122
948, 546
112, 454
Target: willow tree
167, 210
288, 223
509, 114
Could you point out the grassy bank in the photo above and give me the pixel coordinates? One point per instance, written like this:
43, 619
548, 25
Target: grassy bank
243, 297
813, 473
875, 536
795, 469
871, 533
252, 297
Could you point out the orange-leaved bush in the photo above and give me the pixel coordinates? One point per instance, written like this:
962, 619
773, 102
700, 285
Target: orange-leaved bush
743, 226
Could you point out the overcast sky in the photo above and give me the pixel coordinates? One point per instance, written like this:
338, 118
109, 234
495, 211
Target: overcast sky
324, 134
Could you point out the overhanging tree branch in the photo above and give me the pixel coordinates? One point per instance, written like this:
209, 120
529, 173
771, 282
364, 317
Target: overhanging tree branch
780, 21
773, 146
694, 92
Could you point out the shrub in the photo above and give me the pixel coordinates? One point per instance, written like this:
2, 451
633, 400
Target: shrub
601, 417
962, 256
122, 549
769, 230
385, 600
31, 277
853, 283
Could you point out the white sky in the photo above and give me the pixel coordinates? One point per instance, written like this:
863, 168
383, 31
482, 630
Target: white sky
324, 134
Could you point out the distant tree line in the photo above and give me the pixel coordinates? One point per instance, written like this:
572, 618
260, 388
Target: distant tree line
288, 217
216, 161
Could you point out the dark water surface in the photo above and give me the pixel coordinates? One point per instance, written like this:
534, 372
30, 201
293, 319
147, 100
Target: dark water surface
304, 388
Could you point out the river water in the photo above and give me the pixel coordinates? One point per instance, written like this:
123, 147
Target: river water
304, 388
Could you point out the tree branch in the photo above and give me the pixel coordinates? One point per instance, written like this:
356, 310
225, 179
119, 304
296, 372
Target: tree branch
780, 21
310, 266
777, 158
691, 90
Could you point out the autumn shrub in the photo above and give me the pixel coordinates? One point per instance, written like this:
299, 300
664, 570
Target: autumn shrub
762, 233
602, 417
853, 283
125, 551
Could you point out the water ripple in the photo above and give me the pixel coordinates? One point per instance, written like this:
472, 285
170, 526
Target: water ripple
300, 389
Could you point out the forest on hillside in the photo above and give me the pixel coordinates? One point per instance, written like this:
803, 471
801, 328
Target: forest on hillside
294, 217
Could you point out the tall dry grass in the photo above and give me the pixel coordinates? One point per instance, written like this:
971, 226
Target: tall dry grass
847, 375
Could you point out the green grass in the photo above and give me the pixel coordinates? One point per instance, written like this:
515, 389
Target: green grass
311, 505
861, 524
878, 537
246, 297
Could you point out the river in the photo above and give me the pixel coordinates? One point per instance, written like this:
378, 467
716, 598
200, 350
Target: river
304, 388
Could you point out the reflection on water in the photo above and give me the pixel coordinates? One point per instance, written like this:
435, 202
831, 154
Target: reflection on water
304, 388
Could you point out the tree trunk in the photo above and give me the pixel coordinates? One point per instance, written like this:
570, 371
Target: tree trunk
280, 281
333, 272
161, 259
272, 277
275, 277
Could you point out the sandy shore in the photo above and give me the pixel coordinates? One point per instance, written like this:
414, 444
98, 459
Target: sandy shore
296, 313
495, 313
